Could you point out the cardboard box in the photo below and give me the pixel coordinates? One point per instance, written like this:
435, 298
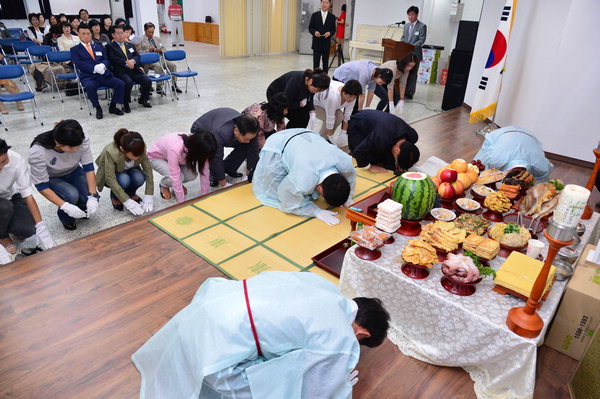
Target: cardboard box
578, 315
583, 258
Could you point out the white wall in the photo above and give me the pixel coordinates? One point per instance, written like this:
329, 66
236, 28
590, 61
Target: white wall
550, 85
471, 10
197, 10
143, 11
384, 12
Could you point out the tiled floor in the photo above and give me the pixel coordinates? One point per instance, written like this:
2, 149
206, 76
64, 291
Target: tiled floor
223, 82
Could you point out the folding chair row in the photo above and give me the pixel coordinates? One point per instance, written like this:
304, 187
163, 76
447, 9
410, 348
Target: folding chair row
14, 72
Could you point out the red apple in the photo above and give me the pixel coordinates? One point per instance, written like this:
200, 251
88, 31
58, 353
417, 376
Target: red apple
446, 191
448, 175
458, 187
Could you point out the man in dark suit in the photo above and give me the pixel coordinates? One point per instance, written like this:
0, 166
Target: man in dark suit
93, 65
415, 33
125, 62
322, 29
231, 129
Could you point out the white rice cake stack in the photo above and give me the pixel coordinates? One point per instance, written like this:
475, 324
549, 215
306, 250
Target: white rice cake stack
389, 213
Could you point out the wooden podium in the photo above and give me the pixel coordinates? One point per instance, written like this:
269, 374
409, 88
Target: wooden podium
395, 50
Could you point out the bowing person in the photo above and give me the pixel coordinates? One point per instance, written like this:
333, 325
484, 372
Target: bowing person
367, 74
297, 166
123, 166
382, 141
90, 60
392, 100
231, 129
62, 170
322, 29
19, 212
299, 87
125, 62
270, 116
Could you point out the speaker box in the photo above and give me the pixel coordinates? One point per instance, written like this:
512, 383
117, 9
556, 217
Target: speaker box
458, 75
467, 33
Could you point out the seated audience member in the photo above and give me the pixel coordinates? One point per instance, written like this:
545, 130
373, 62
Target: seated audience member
105, 24
67, 40
51, 38
84, 16
154, 44
97, 35
334, 107
270, 116
93, 66
19, 213
131, 37
392, 100
53, 20
231, 129
367, 74
123, 166
62, 18
42, 20
125, 62
41, 70
62, 169
180, 158
512, 147
35, 32
4, 33
119, 21
298, 165
382, 141
299, 87
12, 88
307, 341
75, 26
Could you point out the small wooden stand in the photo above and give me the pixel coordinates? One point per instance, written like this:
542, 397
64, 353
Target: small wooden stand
524, 321
587, 213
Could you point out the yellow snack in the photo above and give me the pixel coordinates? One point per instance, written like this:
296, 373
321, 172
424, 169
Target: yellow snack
519, 273
419, 252
443, 235
498, 202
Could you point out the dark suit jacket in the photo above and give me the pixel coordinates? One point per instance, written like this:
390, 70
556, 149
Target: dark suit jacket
292, 85
220, 123
372, 134
85, 63
117, 58
316, 25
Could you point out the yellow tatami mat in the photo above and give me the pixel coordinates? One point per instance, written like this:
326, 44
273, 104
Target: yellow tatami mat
232, 231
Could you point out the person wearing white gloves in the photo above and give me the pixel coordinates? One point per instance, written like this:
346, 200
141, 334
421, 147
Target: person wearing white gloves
392, 99
334, 107
62, 170
19, 213
298, 165
123, 166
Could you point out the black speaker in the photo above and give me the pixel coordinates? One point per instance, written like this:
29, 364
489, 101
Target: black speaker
458, 75
467, 33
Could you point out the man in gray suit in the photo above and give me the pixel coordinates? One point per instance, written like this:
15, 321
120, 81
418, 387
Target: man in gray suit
415, 33
153, 44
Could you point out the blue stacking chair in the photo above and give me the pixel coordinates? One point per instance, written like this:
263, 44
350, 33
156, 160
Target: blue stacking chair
151, 58
38, 53
58, 57
14, 72
21, 47
15, 32
6, 45
107, 90
179, 55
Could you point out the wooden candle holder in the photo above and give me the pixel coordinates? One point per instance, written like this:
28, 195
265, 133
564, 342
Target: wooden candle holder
524, 320
587, 213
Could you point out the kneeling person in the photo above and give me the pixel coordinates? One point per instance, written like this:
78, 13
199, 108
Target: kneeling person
298, 165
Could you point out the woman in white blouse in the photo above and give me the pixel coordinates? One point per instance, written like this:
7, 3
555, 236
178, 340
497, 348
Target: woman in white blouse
67, 40
35, 32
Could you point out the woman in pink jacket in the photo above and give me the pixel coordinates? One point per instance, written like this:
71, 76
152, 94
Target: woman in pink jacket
180, 158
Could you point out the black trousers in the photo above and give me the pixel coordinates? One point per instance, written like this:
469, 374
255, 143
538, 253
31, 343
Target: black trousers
137, 76
411, 82
321, 52
15, 218
298, 117
381, 91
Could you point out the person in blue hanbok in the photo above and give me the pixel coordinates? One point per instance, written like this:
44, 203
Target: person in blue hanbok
512, 147
298, 165
262, 338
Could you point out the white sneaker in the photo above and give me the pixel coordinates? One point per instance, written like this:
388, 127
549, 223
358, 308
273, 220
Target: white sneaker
342, 141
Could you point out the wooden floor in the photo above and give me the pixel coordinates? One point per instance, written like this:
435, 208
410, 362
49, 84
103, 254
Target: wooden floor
71, 317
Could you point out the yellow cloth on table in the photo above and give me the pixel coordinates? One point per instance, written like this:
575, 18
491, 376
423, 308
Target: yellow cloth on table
519, 273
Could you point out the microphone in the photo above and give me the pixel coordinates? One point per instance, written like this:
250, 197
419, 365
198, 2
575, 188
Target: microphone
400, 23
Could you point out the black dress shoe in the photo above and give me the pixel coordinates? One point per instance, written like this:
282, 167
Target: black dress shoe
181, 44
99, 113
160, 91
174, 45
177, 89
234, 174
408, 96
213, 182
126, 108
114, 110
145, 103
69, 226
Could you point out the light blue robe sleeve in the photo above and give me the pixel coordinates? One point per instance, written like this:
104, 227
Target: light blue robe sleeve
291, 200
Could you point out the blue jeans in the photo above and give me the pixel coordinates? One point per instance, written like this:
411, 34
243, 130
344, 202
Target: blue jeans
71, 188
130, 181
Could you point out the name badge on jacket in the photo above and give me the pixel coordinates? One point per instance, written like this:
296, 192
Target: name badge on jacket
417, 33
131, 50
98, 53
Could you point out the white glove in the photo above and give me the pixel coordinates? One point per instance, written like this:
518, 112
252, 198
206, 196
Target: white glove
353, 377
72, 210
4, 256
226, 185
100, 69
328, 217
92, 205
133, 207
303, 102
148, 203
399, 107
312, 121
44, 240
392, 106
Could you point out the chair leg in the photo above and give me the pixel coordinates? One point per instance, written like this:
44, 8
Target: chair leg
36, 108
196, 86
2, 121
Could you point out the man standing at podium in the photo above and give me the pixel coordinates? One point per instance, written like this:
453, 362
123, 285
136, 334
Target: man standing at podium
322, 29
415, 33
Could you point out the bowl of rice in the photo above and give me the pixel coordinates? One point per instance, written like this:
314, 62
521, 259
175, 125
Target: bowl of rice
511, 236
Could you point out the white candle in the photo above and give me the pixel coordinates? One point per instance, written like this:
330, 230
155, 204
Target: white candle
571, 205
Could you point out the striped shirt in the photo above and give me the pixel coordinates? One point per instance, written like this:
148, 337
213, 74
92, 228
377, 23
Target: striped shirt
175, 12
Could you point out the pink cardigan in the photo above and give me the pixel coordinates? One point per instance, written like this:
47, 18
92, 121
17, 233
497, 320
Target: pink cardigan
171, 149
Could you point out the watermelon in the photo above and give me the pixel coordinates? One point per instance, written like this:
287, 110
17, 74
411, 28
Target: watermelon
416, 192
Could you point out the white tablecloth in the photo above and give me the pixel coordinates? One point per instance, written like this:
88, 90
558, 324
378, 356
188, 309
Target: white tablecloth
435, 326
